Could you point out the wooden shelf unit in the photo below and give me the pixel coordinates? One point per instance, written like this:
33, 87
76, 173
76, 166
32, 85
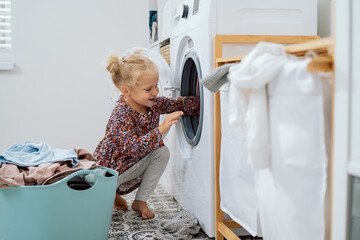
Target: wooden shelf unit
321, 51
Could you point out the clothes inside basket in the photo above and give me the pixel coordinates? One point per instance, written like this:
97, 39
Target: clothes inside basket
86, 181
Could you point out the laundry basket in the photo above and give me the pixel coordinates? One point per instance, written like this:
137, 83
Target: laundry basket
58, 212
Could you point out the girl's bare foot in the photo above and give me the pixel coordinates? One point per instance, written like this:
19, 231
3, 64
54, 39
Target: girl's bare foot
120, 203
141, 206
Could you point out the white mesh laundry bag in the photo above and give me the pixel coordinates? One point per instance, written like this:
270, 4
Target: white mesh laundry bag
236, 178
245, 134
291, 193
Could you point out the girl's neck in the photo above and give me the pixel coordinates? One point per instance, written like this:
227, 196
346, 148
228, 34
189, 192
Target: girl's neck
138, 108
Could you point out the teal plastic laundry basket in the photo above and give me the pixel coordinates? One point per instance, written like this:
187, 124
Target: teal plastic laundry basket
58, 212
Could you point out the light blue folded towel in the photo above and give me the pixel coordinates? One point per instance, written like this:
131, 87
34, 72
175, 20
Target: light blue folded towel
33, 154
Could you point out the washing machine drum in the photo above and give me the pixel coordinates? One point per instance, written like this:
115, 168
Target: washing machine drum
190, 86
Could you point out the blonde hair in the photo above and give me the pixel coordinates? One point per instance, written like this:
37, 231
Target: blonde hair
128, 69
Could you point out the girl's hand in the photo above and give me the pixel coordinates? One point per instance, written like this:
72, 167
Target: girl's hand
169, 121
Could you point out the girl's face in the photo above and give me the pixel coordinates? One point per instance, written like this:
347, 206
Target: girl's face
142, 95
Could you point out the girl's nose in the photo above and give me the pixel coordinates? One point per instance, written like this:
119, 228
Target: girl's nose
155, 91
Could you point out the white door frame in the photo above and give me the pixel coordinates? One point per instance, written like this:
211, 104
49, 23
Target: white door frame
343, 166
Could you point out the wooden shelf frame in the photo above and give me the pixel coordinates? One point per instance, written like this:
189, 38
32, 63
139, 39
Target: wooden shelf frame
322, 60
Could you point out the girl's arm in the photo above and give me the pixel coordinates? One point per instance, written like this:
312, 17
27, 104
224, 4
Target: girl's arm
190, 105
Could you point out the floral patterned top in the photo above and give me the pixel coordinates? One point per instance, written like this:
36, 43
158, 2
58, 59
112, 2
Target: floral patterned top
131, 135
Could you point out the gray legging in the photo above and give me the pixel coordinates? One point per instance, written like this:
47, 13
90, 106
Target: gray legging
152, 166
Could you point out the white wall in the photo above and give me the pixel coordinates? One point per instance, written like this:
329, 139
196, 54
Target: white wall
325, 18
59, 91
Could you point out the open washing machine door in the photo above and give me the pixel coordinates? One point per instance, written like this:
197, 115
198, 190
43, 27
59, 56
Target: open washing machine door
190, 86
192, 160
192, 163
187, 76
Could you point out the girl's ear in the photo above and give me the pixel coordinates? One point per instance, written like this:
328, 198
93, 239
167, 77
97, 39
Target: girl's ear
124, 89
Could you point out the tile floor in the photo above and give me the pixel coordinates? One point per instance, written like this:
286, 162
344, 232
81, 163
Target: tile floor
128, 225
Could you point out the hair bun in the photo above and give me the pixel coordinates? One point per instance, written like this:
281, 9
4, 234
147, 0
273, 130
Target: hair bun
113, 64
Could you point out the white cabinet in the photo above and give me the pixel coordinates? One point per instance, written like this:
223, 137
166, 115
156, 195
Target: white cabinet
163, 21
161, 41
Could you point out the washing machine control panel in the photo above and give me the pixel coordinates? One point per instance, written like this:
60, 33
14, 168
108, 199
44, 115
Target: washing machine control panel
181, 12
185, 10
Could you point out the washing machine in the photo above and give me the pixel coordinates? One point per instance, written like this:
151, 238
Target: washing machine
189, 176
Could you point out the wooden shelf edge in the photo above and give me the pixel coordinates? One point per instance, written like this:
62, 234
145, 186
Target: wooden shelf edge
317, 64
231, 59
225, 231
322, 47
265, 38
232, 224
322, 44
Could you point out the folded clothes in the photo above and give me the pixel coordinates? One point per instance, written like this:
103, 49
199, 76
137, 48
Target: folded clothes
216, 78
180, 227
32, 154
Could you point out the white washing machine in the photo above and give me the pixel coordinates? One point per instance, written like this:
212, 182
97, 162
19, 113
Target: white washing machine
189, 176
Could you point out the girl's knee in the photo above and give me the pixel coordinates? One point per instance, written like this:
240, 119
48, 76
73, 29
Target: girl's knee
164, 153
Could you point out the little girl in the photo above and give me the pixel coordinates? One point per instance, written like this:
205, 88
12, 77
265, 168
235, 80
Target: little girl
133, 142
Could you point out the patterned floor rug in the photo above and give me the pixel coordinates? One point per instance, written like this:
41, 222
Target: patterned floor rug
130, 226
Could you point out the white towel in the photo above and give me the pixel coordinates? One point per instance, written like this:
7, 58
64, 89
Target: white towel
247, 87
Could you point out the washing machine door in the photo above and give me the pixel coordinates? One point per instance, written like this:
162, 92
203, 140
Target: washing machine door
190, 86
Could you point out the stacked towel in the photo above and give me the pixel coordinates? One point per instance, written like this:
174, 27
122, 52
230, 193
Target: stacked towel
180, 227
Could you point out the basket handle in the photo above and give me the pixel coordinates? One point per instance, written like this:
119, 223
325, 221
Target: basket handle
85, 171
64, 181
